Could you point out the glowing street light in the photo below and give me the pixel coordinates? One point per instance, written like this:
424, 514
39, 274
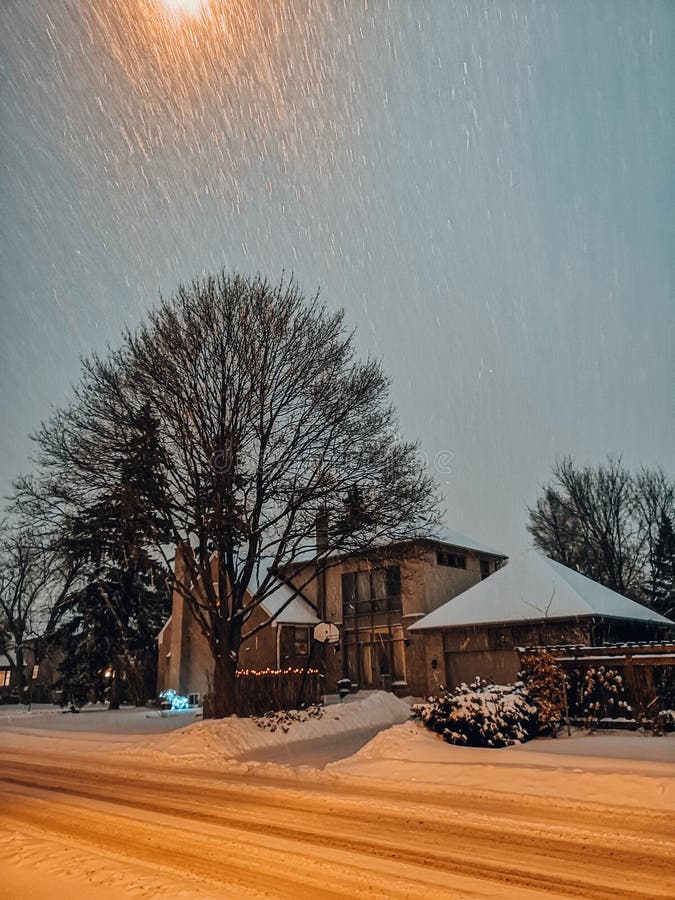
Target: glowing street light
185, 7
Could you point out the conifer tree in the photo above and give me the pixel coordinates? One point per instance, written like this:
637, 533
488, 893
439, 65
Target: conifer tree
110, 636
663, 568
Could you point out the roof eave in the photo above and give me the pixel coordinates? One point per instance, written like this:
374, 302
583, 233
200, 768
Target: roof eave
504, 623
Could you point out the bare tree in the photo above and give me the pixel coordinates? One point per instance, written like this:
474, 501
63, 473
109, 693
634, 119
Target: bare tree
655, 500
604, 522
266, 424
34, 584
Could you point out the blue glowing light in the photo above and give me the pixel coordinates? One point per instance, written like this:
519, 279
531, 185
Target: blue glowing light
177, 701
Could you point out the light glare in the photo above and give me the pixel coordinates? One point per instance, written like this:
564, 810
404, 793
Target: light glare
185, 7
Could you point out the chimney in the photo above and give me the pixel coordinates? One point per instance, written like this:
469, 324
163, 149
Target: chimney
322, 531
321, 547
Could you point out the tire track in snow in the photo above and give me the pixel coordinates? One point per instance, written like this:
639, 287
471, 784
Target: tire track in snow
412, 839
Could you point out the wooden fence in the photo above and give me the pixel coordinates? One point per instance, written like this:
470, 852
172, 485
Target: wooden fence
269, 690
647, 671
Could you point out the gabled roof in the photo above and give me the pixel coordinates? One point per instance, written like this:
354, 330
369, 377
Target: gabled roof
297, 612
533, 587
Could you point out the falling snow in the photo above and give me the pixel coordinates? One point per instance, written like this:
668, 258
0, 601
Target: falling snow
485, 187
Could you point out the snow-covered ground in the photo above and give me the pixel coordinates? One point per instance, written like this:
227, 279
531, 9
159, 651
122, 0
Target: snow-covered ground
337, 731
234, 738
112, 805
95, 719
619, 769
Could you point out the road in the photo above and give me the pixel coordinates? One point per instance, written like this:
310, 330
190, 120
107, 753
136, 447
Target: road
127, 829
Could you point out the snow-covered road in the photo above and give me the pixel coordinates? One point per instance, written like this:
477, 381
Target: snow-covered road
78, 825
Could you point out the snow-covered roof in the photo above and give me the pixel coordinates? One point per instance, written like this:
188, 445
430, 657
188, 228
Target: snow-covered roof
533, 587
441, 534
297, 612
445, 535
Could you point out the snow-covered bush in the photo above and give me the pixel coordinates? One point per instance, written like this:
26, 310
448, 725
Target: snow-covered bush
546, 685
602, 696
664, 722
285, 718
664, 682
481, 715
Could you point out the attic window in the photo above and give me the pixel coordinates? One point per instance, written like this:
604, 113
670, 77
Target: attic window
453, 560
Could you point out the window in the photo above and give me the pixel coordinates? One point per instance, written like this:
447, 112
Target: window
371, 591
36, 670
376, 658
348, 589
453, 560
484, 568
301, 641
5, 675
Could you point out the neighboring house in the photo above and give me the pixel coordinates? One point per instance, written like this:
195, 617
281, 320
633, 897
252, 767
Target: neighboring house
6, 677
40, 679
373, 602
531, 601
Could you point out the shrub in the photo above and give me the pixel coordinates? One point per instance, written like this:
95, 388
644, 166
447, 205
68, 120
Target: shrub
664, 682
546, 685
602, 696
481, 715
665, 721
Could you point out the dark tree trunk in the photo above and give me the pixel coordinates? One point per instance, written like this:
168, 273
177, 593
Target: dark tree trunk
21, 675
114, 701
135, 681
224, 686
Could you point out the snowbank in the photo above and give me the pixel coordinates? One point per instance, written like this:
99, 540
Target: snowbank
612, 769
232, 738
11, 712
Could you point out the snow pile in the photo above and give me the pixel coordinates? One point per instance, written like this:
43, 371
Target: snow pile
481, 715
234, 737
611, 769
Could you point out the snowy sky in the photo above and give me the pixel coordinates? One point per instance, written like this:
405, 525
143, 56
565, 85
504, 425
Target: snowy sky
486, 188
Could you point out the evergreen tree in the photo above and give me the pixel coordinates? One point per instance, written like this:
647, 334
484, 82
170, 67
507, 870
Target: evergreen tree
110, 636
663, 568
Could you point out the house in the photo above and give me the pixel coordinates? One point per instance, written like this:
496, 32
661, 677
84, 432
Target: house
374, 600
531, 601
6, 678
41, 679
